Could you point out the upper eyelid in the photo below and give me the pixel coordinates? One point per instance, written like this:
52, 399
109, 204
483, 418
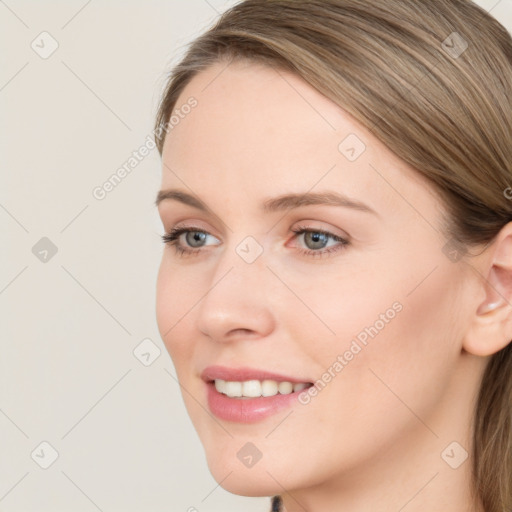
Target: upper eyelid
177, 232
194, 227
295, 230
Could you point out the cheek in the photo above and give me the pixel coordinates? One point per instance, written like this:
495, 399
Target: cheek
343, 311
394, 343
407, 360
174, 301
400, 310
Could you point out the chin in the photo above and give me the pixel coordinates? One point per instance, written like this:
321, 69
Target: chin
246, 483
257, 481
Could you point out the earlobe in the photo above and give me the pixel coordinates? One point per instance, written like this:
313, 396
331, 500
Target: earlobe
491, 326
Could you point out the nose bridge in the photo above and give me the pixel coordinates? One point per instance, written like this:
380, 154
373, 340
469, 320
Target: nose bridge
236, 298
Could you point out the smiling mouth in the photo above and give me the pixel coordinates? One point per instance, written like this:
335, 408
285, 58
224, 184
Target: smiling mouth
257, 388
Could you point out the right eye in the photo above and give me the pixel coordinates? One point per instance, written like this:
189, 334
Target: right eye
194, 239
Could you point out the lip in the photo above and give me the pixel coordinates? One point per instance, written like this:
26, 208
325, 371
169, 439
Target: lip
246, 410
243, 373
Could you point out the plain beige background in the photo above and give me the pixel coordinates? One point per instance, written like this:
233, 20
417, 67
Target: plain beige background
72, 321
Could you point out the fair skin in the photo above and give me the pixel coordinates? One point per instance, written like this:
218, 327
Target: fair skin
372, 439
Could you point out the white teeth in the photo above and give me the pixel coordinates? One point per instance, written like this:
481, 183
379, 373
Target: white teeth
251, 388
285, 388
269, 388
220, 385
256, 388
233, 389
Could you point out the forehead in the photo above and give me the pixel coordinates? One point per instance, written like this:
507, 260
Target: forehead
257, 129
242, 105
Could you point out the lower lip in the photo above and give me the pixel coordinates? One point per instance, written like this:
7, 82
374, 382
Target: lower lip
248, 410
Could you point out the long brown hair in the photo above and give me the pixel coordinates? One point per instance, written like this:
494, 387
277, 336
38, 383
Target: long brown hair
432, 81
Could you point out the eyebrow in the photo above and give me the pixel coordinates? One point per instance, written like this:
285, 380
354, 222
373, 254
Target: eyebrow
283, 202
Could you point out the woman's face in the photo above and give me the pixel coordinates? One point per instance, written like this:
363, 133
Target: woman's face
374, 310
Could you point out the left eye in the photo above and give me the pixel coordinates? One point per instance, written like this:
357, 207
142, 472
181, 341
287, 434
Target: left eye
316, 241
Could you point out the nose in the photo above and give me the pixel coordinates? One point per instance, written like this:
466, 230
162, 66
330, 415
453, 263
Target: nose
235, 305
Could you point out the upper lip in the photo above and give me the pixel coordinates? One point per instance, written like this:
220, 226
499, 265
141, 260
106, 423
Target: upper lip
244, 373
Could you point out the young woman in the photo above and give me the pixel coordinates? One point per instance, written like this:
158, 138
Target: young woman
335, 292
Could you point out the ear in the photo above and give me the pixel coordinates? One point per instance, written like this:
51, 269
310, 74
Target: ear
491, 327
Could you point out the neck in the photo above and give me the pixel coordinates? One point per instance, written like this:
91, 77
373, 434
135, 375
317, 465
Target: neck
423, 484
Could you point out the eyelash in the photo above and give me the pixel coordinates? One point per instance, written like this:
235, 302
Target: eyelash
172, 237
